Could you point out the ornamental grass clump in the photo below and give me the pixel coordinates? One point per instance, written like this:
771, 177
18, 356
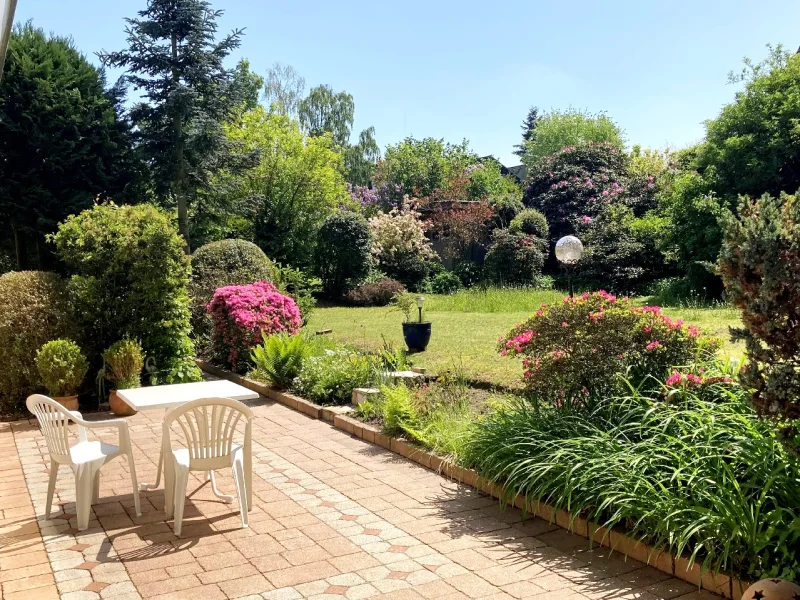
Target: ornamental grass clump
583, 344
241, 313
704, 479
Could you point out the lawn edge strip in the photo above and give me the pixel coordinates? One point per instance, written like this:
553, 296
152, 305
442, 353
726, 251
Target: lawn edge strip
614, 539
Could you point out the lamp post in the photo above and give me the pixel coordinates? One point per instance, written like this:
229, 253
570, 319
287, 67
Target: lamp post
569, 251
420, 301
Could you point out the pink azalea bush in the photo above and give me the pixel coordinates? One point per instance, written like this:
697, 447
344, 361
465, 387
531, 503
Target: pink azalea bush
583, 344
241, 312
708, 382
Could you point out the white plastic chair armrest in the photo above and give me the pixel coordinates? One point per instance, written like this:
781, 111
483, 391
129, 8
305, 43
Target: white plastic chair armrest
78, 417
120, 424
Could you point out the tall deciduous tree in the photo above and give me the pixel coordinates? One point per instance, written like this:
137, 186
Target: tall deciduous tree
173, 57
284, 89
63, 140
360, 158
324, 110
297, 183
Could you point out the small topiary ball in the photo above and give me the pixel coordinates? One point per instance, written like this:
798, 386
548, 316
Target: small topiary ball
772, 589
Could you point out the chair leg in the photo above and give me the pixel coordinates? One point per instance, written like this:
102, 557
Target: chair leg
181, 481
83, 496
136, 502
51, 487
169, 486
96, 488
241, 489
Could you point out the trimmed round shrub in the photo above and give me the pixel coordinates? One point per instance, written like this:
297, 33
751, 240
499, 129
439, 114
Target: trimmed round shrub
584, 344
62, 366
445, 282
515, 258
130, 279
124, 362
530, 222
343, 252
241, 313
35, 311
218, 264
374, 294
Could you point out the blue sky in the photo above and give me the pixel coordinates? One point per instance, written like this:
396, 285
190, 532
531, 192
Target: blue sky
465, 69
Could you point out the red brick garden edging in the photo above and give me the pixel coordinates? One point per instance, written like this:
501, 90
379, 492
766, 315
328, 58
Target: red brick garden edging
729, 587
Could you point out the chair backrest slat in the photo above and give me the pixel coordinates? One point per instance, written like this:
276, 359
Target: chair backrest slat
208, 425
53, 421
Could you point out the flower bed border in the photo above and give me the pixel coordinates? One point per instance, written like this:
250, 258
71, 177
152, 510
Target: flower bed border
729, 587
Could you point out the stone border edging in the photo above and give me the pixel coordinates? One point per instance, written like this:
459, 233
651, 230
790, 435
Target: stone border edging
729, 587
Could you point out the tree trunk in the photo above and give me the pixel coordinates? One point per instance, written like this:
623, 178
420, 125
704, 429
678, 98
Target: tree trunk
20, 248
179, 183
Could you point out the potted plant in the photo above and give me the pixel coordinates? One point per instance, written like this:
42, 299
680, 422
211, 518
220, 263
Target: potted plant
62, 367
123, 366
416, 334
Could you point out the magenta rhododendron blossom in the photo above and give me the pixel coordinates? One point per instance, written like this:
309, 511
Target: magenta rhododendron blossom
241, 312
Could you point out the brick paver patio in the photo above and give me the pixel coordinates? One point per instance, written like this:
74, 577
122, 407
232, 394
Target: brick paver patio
333, 517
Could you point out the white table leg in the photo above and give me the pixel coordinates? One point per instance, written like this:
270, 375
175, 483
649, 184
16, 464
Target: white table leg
146, 487
224, 497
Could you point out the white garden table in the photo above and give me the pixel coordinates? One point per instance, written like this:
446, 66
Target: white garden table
170, 396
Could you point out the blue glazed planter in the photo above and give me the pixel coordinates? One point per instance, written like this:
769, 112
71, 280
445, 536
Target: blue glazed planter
417, 335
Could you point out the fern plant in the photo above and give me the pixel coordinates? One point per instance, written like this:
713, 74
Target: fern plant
280, 358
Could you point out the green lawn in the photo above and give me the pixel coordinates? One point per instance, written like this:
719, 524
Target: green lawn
466, 327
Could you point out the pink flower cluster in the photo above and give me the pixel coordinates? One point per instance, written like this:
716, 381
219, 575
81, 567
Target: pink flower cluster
677, 379
515, 344
241, 312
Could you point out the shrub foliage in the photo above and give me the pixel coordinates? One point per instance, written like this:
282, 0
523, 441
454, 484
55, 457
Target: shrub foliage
583, 344
35, 310
343, 252
515, 258
62, 366
374, 294
242, 313
760, 265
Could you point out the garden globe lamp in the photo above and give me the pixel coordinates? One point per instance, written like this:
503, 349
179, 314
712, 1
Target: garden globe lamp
420, 301
569, 251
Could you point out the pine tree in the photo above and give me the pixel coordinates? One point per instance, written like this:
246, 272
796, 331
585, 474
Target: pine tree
528, 131
174, 59
63, 141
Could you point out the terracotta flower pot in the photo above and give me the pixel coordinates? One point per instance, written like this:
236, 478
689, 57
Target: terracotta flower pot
118, 406
68, 402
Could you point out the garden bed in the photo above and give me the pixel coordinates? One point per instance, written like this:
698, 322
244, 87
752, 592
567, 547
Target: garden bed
614, 539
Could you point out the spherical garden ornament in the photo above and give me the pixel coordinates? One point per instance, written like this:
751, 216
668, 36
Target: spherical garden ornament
569, 250
772, 589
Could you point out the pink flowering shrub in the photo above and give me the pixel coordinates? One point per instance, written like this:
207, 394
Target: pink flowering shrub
583, 344
241, 312
708, 382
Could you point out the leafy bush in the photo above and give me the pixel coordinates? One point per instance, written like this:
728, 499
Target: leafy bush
280, 358
460, 226
227, 262
35, 310
301, 287
124, 361
506, 207
515, 258
695, 478
130, 279
242, 313
374, 294
621, 250
760, 265
583, 344
574, 184
62, 367
343, 251
331, 377
400, 246
445, 282
530, 222
469, 272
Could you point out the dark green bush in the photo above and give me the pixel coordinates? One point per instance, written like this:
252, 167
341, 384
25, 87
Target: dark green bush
760, 265
227, 262
130, 279
374, 294
515, 258
446, 282
35, 310
343, 252
331, 377
530, 222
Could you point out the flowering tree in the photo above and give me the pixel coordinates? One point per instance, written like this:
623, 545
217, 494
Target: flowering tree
585, 343
462, 225
242, 312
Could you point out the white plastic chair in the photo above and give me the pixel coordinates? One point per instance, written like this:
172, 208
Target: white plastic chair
84, 458
208, 427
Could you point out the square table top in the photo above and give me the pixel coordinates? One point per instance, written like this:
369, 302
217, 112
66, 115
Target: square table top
168, 396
